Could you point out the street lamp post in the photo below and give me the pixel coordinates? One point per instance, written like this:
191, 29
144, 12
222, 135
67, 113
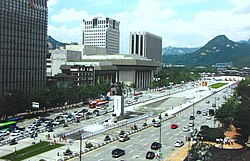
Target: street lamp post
160, 130
80, 145
159, 156
193, 116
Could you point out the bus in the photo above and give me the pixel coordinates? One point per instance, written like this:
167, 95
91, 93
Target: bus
98, 103
7, 126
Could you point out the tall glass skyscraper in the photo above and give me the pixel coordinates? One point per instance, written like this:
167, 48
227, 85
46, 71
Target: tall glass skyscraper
23, 45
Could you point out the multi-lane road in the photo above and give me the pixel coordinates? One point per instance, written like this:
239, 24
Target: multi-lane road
139, 143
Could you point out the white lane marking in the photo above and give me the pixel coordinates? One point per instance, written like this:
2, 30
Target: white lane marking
130, 145
97, 154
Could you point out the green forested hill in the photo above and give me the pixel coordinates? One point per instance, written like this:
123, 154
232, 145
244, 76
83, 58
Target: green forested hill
218, 50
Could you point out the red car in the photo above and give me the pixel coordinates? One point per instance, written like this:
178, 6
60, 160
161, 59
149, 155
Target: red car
174, 126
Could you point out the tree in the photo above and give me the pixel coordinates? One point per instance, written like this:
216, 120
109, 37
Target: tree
225, 114
200, 151
242, 113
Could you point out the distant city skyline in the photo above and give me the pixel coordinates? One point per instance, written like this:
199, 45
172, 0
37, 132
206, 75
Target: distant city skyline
189, 23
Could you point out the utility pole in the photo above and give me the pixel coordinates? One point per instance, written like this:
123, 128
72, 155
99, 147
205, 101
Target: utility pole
80, 132
160, 153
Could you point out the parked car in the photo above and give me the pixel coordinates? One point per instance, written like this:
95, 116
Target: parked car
174, 126
117, 153
150, 155
213, 105
207, 101
155, 146
178, 143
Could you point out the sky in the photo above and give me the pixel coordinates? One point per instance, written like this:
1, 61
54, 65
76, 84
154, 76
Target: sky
180, 23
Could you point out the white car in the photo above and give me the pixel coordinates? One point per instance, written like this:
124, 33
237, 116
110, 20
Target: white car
185, 129
178, 143
204, 113
14, 136
190, 124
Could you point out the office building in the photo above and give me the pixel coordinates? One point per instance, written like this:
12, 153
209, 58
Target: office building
146, 44
23, 45
102, 32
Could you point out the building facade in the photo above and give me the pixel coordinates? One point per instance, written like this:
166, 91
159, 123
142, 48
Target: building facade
146, 44
23, 45
103, 33
81, 74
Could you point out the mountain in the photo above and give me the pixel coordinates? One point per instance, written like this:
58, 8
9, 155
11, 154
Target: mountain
218, 50
53, 44
244, 41
177, 51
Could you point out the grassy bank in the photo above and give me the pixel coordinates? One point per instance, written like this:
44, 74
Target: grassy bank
31, 151
217, 85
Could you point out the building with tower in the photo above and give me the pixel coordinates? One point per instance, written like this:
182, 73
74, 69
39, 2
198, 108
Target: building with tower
23, 45
102, 32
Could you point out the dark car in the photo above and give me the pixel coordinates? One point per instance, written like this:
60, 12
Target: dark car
174, 126
198, 112
155, 146
117, 153
83, 111
150, 155
107, 138
68, 152
13, 141
191, 118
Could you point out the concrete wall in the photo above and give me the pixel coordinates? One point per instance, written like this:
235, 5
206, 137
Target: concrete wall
58, 58
126, 76
93, 50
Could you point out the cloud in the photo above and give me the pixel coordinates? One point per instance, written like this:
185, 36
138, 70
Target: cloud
161, 17
52, 3
72, 15
67, 15
66, 34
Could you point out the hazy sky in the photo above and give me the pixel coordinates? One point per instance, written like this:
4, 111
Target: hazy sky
180, 23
